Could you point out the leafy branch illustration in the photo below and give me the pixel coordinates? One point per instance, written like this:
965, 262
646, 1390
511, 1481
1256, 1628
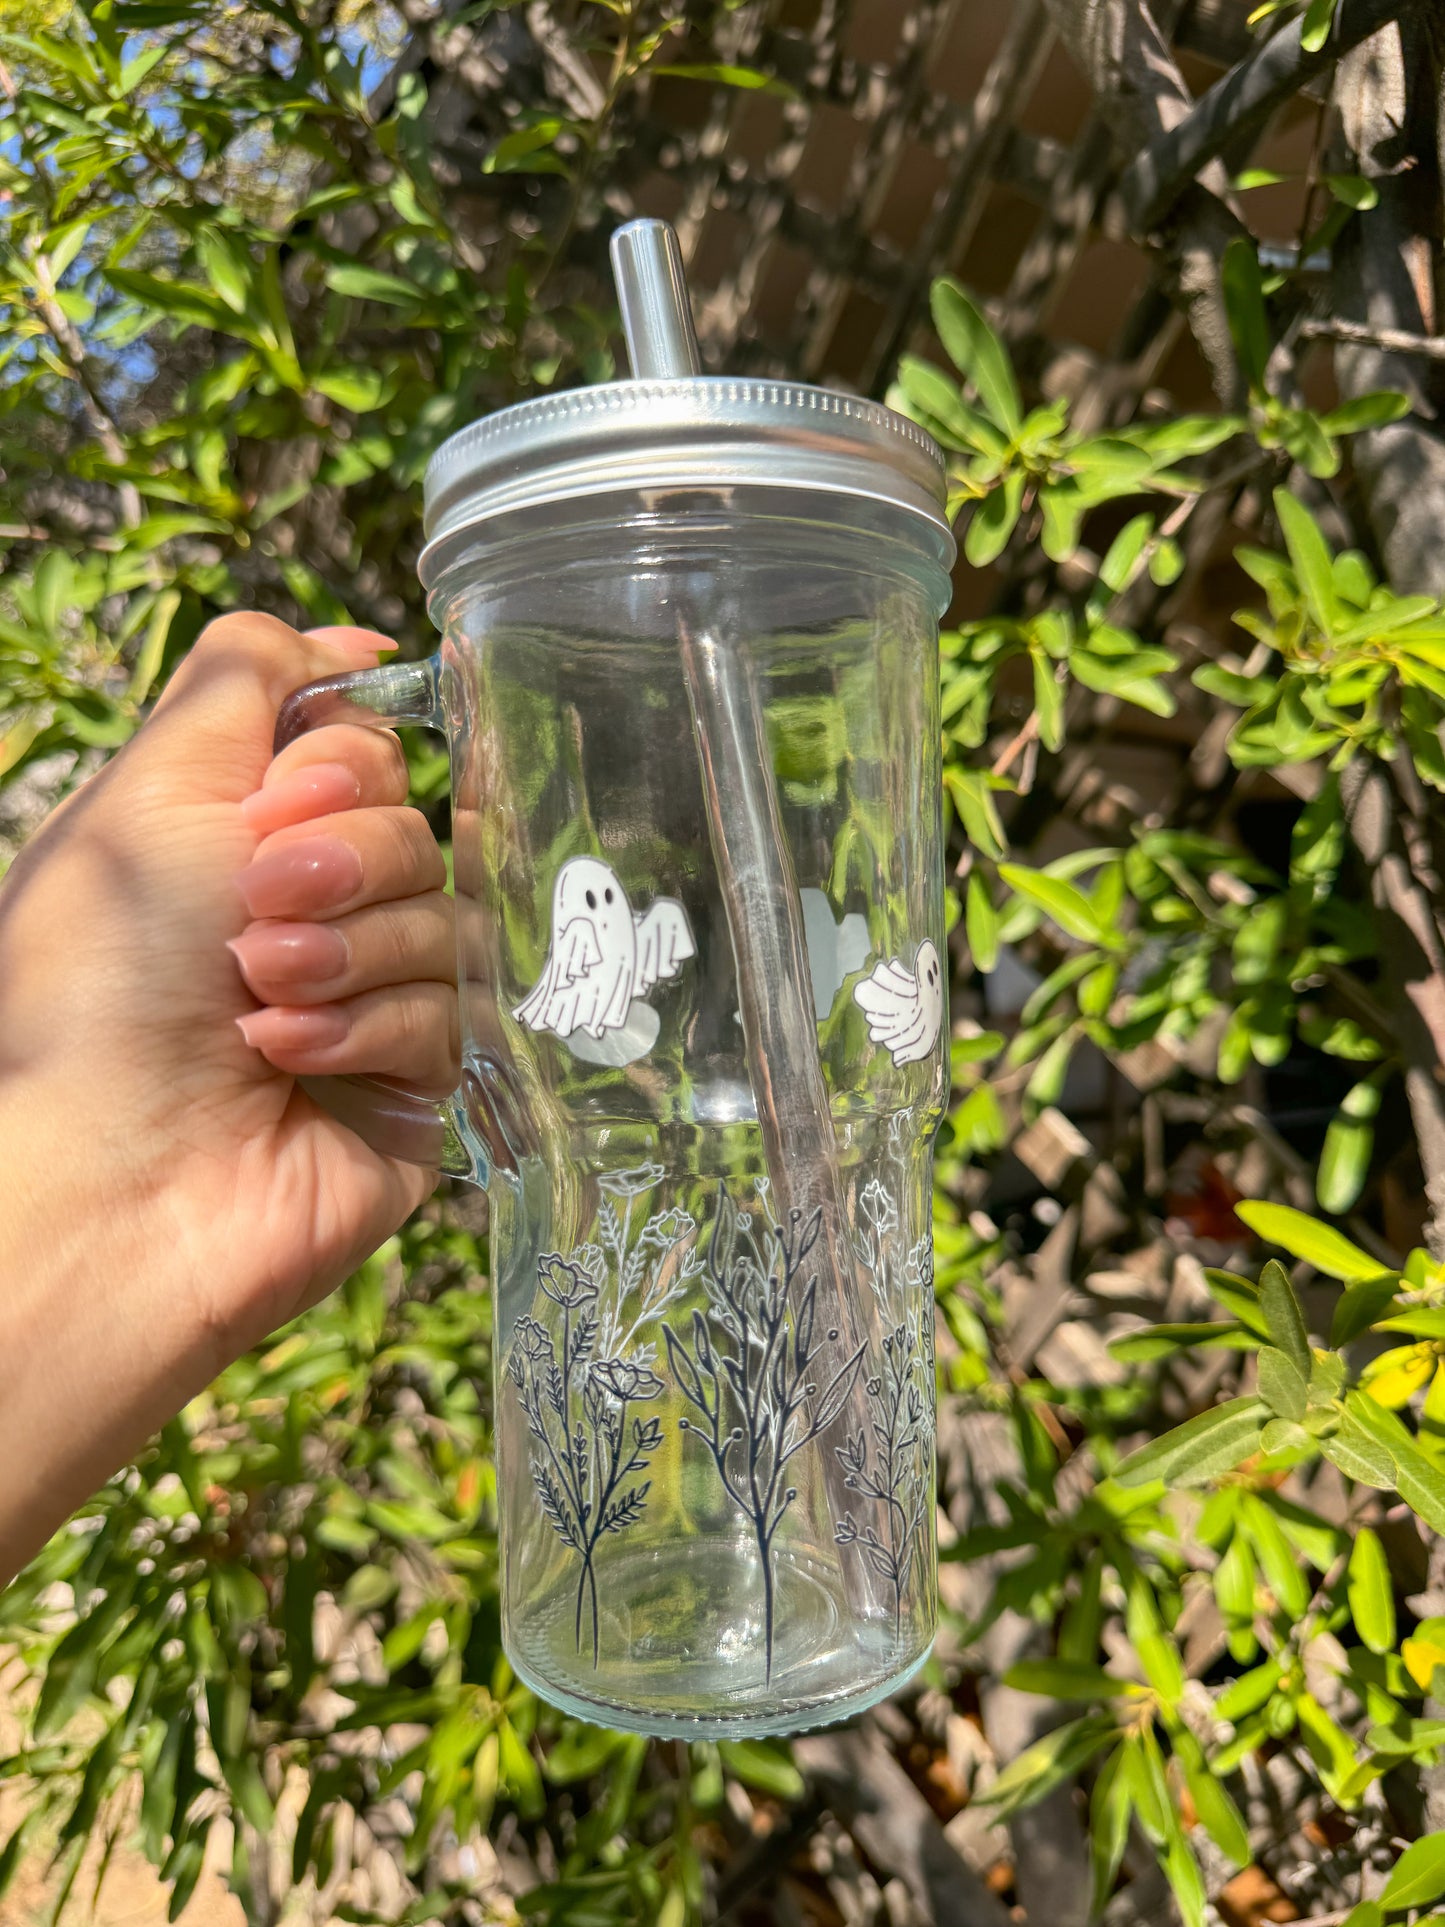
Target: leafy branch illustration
576, 1408
895, 1478
747, 1372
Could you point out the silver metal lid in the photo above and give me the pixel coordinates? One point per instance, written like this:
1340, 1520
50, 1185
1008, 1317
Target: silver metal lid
674, 430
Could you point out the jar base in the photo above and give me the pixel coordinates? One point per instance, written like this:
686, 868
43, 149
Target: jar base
682, 1650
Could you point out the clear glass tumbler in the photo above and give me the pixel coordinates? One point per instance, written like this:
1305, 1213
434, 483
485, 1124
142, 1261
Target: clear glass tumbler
714, 1377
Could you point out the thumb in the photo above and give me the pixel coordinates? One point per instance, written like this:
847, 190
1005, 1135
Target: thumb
219, 709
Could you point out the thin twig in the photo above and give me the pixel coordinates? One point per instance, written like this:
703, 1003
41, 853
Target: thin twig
1398, 341
1020, 742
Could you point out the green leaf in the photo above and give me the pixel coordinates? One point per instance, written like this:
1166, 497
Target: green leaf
1284, 1318
1348, 1147
1069, 908
980, 921
1418, 1876
766, 1767
1258, 176
359, 389
1166, 1341
977, 353
1048, 700
973, 799
1315, 30
1218, 1815
228, 267
1249, 1692
1282, 1386
1063, 512
1358, 1454
994, 519
580, 1752
372, 284
1124, 552
1360, 1306
1366, 411
1109, 1810
1048, 1763
1418, 1480
1276, 1557
722, 74
1370, 1592
1202, 1448
939, 398
1367, 1914
1311, 557
192, 306
1065, 1679
1304, 1237
1243, 288
183, 1870
1239, 1297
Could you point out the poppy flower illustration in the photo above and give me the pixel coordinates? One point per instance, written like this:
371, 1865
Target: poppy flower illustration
919, 1268
625, 1380
565, 1284
666, 1230
878, 1208
632, 1182
534, 1341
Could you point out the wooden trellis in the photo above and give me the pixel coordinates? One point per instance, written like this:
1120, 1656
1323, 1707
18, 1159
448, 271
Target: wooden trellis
943, 136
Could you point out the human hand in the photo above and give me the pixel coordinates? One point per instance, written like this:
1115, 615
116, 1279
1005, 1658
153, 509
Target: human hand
171, 1193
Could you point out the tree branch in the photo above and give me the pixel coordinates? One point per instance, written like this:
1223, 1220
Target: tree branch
1392, 341
1238, 107
1134, 76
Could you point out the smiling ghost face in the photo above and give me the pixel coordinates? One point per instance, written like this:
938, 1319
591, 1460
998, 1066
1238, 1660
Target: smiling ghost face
929, 972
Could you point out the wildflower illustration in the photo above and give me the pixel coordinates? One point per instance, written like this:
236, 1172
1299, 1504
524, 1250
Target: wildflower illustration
748, 1370
650, 1272
888, 1461
893, 1470
577, 1409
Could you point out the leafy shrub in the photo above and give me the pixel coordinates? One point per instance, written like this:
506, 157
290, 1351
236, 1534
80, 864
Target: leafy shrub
243, 305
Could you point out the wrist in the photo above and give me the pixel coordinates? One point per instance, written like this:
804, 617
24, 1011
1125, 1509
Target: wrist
100, 1336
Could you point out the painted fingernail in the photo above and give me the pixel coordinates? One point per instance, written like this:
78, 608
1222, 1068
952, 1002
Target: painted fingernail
305, 793
289, 953
283, 1029
312, 874
350, 635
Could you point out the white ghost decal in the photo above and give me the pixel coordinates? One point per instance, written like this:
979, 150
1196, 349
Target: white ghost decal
904, 1007
603, 955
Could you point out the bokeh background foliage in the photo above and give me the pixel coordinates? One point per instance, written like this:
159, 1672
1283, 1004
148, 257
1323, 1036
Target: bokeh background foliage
256, 261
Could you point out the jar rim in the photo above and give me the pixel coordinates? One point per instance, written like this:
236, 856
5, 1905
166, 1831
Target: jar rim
657, 438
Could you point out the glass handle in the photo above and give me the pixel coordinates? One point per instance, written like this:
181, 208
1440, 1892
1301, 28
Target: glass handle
396, 1123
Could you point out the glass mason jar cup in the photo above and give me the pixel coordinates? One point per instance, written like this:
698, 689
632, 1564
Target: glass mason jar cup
690, 690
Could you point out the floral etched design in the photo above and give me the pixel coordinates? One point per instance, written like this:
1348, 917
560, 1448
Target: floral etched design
577, 1386
576, 1407
892, 1471
749, 1371
889, 1461
652, 1270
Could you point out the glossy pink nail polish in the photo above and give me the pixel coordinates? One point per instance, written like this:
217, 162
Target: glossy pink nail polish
315, 873
272, 954
350, 635
282, 1028
305, 793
